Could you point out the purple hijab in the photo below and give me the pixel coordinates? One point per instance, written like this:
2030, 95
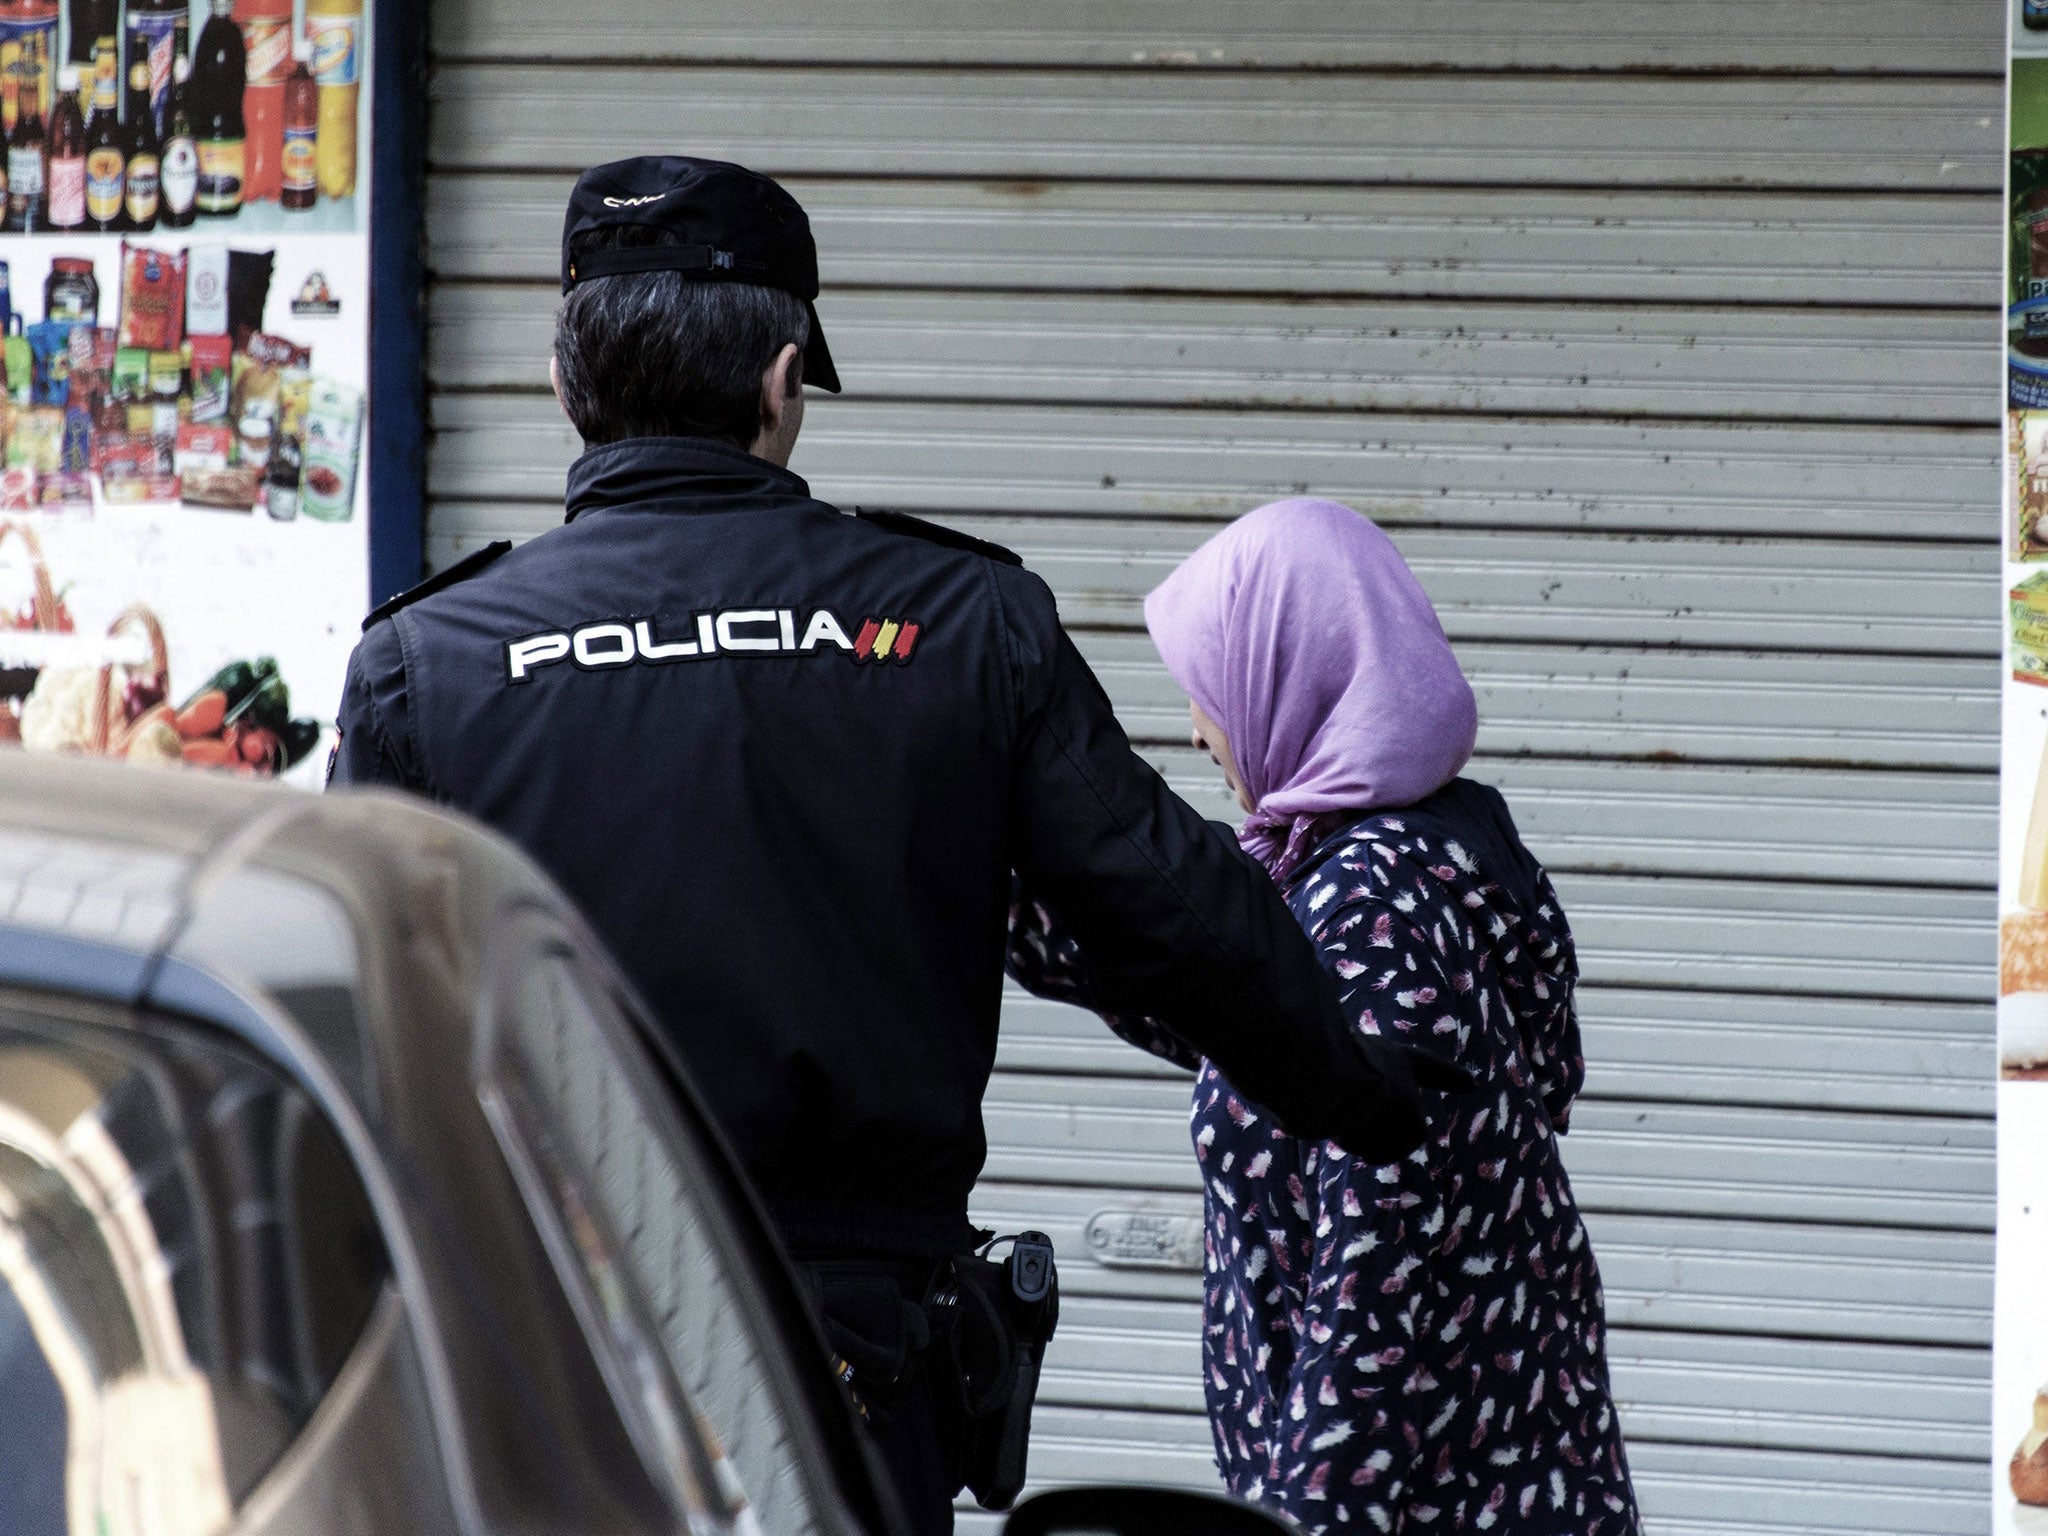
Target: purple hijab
1301, 631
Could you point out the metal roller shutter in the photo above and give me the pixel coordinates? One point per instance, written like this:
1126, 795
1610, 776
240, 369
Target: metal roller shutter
1657, 336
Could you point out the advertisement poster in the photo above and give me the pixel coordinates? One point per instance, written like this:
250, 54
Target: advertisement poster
2019, 1409
184, 276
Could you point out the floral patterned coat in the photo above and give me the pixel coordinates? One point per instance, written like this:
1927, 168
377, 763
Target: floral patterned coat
1420, 1346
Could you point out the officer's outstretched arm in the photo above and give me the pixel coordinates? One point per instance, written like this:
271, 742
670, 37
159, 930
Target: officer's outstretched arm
1179, 923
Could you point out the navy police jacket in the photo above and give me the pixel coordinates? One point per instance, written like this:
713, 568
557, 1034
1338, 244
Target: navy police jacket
786, 761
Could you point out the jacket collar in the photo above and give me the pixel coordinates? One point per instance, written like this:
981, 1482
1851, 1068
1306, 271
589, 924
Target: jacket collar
688, 473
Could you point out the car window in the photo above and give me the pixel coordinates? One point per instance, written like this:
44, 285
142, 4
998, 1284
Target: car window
578, 1101
186, 1262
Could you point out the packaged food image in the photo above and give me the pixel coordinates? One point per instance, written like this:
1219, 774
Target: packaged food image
152, 297
334, 434
212, 359
233, 489
2027, 609
64, 492
131, 470
20, 368
206, 290
258, 374
37, 441
123, 455
248, 292
287, 459
131, 375
71, 291
203, 448
49, 343
17, 488
166, 376
88, 370
75, 454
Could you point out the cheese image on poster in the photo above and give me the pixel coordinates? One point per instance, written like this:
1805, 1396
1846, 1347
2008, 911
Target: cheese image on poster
184, 554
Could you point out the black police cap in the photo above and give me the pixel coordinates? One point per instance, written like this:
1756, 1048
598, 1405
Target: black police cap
728, 224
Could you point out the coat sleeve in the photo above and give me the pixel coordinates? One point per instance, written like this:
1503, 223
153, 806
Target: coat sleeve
1178, 923
1046, 961
376, 744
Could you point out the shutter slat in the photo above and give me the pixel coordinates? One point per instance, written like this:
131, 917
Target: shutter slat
1862, 134
1650, 1159
1698, 1047
1883, 35
1540, 587
1336, 355
1542, 244
1786, 708
1785, 1394
1800, 1278
1867, 482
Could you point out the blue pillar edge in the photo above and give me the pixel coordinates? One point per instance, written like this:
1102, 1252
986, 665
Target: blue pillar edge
398, 391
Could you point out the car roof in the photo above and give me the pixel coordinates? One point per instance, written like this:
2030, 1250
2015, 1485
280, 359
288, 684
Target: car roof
124, 860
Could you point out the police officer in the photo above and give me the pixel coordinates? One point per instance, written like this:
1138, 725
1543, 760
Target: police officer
787, 761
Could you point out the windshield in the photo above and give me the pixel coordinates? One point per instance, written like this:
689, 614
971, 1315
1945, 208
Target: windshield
186, 1262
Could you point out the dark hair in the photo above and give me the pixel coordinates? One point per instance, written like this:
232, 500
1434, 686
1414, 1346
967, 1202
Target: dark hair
653, 354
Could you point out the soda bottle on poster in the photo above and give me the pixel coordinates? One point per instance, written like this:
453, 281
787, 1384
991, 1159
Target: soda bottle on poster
67, 158
267, 48
106, 148
143, 182
178, 193
215, 97
91, 20
162, 28
335, 27
299, 186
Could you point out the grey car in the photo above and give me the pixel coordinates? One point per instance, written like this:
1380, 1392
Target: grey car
343, 1189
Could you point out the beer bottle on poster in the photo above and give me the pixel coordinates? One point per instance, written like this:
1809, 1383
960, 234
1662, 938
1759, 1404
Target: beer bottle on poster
91, 20
28, 207
335, 29
267, 49
299, 184
33, 24
143, 182
106, 148
178, 187
67, 157
162, 29
10, 85
215, 99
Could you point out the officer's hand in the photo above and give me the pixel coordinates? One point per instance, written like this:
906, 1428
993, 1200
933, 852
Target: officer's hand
1386, 1122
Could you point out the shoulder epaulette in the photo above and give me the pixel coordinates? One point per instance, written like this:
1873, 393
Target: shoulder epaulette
447, 576
938, 533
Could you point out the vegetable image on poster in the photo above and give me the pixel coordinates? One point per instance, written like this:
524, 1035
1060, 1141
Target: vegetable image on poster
184, 280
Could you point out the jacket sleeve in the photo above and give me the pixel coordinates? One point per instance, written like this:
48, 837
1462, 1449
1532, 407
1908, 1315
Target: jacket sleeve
1046, 961
1178, 923
376, 745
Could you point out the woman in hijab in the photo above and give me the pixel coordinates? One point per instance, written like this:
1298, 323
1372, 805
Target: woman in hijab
1420, 1345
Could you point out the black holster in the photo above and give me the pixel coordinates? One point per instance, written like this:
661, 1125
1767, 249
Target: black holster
995, 1317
